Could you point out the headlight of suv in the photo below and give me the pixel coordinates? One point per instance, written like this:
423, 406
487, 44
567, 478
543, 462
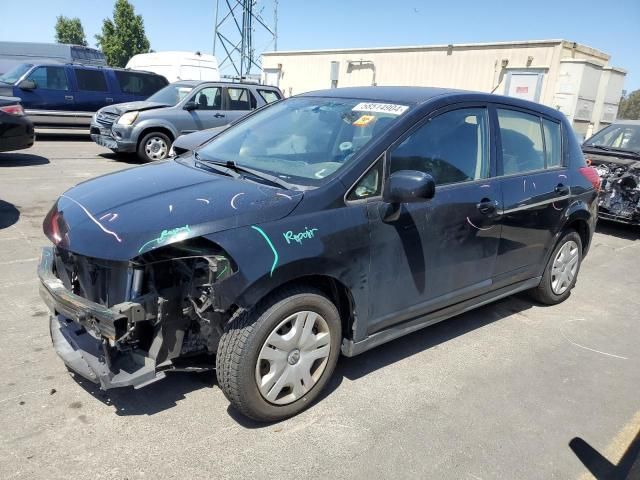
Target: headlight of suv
128, 118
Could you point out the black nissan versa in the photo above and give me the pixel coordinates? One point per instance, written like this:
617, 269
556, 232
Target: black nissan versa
327, 223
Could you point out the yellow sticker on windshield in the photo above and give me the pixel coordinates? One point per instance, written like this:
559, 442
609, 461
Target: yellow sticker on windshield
364, 120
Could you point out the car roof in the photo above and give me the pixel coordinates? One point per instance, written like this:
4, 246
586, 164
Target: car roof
419, 95
197, 83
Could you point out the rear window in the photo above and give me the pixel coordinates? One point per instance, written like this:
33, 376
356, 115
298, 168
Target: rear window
91, 80
136, 83
269, 96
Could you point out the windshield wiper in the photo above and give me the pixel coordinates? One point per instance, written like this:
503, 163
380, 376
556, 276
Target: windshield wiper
217, 166
614, 149
272, 179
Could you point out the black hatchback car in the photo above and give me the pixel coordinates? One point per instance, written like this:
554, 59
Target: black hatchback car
327, 223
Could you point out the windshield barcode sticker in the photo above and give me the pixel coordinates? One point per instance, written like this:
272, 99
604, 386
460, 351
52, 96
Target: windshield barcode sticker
390, 108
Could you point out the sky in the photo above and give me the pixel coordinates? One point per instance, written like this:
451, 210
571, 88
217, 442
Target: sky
610, 26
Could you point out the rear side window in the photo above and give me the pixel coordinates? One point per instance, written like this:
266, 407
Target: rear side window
51, 78
269, 96
240, 99
91, 80
552, 142
135, 83
522, 145
452, 147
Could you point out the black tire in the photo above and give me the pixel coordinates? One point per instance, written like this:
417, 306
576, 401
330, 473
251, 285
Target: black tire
243, 339
163, 143
544, 293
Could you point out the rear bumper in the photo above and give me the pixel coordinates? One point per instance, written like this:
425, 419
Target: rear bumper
17, 142
83, 332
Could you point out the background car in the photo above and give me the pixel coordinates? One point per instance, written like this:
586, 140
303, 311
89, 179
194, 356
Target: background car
150, 127
55, 95
615, 153
16, 130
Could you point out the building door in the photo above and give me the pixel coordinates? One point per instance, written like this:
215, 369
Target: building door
525, 85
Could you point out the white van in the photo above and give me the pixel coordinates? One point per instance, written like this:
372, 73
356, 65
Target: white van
177, 66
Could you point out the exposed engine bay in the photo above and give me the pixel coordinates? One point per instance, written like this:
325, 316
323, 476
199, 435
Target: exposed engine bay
162, 306
619, 198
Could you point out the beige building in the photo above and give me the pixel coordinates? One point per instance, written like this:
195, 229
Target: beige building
573, 78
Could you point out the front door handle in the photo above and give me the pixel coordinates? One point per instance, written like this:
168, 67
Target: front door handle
562, 189
219, 115
68, 97
109, 100
486, 206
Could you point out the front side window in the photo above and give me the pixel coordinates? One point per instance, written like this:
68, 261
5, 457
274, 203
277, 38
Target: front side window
91, 80
522, 146
370, 185
208, 98
303, 140
51, 78
452, 147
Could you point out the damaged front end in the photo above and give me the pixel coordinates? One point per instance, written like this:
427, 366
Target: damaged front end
619, 198
123, 323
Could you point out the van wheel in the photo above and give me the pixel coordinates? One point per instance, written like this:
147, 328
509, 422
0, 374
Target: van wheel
561, 272
274, 360
154, 146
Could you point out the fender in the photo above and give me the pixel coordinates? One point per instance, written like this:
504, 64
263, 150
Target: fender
145, 124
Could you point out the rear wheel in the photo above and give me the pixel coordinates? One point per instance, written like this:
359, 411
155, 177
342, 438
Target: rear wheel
561, 272
274, 361
154, 146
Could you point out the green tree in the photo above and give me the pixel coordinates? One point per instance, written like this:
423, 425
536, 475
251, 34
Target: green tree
122, 37
630, 106
69, 30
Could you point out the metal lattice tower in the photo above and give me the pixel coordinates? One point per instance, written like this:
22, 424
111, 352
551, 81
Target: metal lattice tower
241, 24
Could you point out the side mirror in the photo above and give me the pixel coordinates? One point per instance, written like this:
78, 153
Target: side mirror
190, 106
27, 85
407, 186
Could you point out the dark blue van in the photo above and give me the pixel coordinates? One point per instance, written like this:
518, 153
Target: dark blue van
55, 95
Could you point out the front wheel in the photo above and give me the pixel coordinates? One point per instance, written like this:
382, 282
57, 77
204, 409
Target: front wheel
154, 146
274, 361
561, 272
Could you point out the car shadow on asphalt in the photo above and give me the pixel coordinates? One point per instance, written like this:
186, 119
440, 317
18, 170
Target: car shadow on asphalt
12, 159
601, 468
9, 214
129, 158
166, 393
620, 230
63, 136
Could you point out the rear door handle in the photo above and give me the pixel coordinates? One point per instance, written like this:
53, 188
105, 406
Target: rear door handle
68, 97
562, 189
486, 206
109, 100
219, 115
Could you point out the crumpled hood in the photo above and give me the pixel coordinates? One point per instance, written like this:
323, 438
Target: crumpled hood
123, 214
120, 108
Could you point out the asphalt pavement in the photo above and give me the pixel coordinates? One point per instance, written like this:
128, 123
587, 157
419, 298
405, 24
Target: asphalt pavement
512, 390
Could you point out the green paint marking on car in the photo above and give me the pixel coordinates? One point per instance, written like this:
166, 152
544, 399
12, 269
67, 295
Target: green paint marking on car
166, 235
270, 243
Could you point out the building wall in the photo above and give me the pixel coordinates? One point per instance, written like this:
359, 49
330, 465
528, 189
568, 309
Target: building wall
570, 74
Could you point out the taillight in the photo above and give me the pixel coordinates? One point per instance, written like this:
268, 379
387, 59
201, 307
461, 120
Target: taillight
591, 174
13, 110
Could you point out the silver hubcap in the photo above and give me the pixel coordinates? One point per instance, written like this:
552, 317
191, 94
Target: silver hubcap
565, 267
156, 148
293, 357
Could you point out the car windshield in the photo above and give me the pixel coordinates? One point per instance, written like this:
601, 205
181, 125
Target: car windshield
171, 94
303, 140
15, 73
617, 136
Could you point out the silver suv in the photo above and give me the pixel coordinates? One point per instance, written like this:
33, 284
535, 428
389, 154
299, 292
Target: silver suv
150, 127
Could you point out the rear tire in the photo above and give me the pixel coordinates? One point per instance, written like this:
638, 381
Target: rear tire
561, 273
274, 360
154, 146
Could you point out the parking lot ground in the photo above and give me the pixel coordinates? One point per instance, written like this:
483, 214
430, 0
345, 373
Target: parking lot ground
512, 390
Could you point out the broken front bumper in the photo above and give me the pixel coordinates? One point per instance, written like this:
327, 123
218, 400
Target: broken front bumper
82, 332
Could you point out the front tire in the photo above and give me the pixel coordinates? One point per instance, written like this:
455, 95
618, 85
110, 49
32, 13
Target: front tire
154, 146
561, 273
274, 360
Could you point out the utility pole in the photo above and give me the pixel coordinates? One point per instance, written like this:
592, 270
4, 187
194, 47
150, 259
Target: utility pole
241, 24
